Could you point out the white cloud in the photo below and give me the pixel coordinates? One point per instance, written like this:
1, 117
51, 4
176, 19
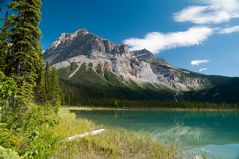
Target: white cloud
199, 62
203, 69
230, 30
156, 41
210, 11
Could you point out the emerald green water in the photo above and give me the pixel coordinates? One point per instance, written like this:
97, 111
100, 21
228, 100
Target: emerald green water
213, 133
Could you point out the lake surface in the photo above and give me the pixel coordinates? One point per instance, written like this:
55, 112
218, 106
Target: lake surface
215, 134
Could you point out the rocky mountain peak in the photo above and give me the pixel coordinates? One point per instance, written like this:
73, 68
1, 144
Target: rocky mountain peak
82, 42
142, 53
142, 66
147, 56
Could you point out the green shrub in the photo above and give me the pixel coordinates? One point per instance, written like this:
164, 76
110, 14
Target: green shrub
8, 154
34, 137
8, 88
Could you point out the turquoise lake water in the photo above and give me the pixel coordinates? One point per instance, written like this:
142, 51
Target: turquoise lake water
215, 134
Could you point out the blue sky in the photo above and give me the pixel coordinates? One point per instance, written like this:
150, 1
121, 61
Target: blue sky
199, 35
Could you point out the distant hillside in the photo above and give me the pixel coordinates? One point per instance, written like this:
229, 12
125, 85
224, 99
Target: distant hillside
225, 89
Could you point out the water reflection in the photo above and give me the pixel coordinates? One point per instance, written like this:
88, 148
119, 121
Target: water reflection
189, 129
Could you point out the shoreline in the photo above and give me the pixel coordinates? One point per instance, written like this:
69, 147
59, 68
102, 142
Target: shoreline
89, 108
189, 151
113, 143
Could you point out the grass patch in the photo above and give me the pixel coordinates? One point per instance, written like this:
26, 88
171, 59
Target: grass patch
114, 143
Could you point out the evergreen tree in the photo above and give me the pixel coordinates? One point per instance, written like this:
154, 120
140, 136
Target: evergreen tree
48, 88
3, 44
24, 55
48, 82
52, 86
55, 88
40, 93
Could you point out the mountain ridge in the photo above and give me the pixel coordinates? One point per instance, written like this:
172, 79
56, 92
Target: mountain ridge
92, 68
140, 66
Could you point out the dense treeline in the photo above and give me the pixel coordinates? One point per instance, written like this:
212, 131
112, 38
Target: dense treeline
48, 89
29, 92
181, 104
116, 103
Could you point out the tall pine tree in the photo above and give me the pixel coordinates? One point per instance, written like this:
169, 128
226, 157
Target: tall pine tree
56, 90
40, 93
24, 55
3, 43
21, 57
52, 86
48, 82
24, 58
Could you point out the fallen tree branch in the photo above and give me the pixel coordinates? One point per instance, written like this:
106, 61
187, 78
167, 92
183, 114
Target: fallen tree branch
80, 136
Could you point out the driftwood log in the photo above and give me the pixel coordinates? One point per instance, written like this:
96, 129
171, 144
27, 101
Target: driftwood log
80, 136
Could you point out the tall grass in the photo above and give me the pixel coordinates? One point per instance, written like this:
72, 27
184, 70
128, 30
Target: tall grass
114, 143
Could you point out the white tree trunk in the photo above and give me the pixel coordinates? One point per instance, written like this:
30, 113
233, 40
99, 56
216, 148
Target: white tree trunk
80, 136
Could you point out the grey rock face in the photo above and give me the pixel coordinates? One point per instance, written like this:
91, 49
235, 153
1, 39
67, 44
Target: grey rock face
80, 43
177, 78
140, 66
